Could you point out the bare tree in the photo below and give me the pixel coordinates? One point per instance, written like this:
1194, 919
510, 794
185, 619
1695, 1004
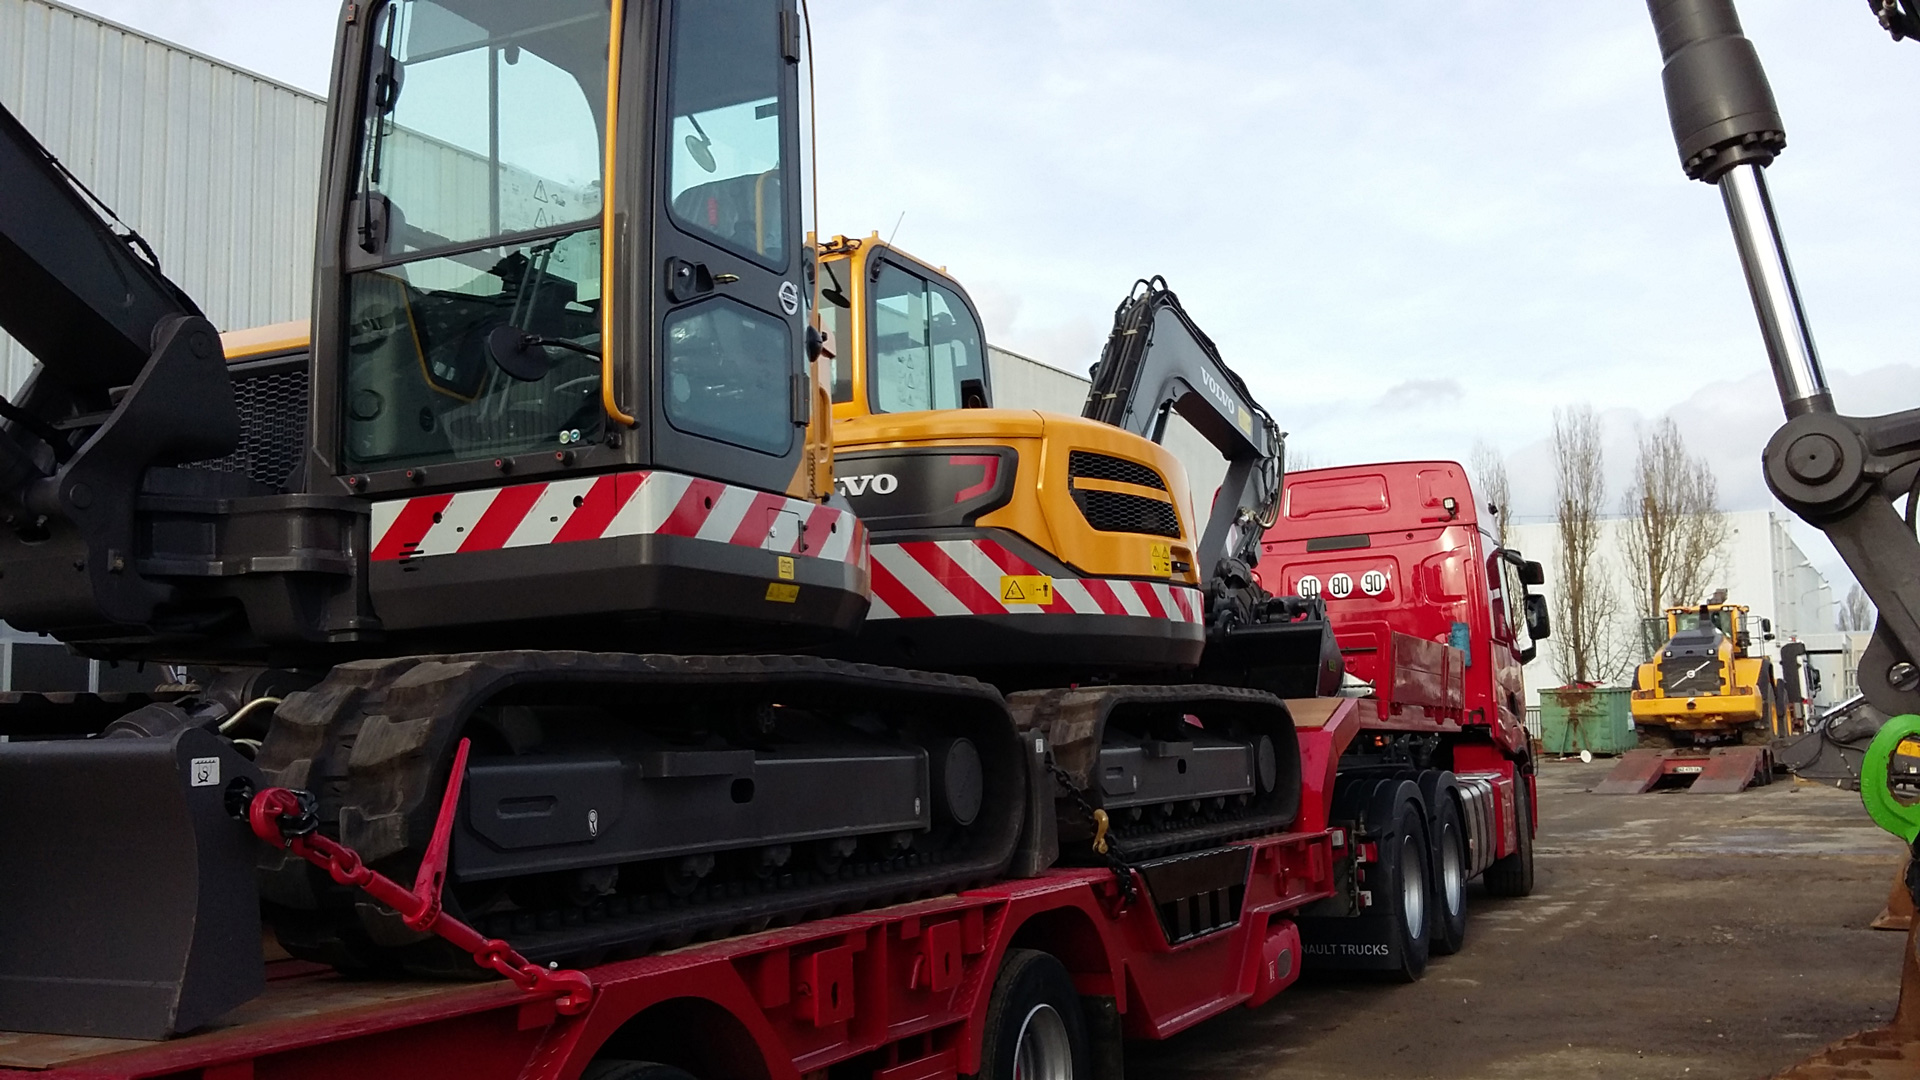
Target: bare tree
1302, 460
1856, 613
1489, 469
1585, 605
1676, 532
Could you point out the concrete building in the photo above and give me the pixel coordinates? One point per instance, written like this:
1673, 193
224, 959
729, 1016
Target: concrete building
1761, 567
216, 167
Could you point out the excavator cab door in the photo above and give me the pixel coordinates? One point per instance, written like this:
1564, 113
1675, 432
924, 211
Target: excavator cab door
729, 396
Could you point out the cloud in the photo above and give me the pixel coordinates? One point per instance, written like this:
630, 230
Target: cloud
1419, 394
1330, 245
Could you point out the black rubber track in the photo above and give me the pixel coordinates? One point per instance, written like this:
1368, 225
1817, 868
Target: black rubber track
375, 740
1075, 720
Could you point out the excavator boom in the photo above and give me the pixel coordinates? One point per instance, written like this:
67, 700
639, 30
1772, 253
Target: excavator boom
1156, 363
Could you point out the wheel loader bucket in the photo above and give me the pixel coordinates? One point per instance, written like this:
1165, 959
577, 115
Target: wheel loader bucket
128, 907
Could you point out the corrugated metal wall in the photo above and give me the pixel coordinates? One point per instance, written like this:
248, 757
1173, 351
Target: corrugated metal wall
218, 168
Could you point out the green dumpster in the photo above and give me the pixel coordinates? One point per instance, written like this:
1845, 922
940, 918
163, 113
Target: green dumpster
1596, 718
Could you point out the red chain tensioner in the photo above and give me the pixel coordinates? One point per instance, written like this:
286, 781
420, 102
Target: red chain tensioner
289, 819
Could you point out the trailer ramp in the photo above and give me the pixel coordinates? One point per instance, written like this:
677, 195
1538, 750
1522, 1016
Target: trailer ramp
1724, 770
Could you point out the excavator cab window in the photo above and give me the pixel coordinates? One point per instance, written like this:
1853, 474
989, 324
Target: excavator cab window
836, 318
926, 346
725, 177
478, 206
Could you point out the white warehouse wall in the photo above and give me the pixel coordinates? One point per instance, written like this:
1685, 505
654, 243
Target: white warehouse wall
1761, 567
219, 169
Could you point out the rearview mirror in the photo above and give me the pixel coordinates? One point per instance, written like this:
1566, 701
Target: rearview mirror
507, 347
1532, 573
701, 152
1539, 627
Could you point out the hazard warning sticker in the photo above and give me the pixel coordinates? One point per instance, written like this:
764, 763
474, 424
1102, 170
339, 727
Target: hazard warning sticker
1026, 589
1161, 555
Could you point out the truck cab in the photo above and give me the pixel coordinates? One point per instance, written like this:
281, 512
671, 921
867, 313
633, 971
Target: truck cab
1398, 553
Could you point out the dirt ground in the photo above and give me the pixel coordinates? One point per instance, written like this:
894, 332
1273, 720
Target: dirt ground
1669, 935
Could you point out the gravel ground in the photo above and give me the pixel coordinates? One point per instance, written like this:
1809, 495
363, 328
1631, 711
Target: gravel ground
1669, 935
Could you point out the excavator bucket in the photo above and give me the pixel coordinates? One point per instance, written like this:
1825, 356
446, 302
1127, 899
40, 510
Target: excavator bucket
128, 907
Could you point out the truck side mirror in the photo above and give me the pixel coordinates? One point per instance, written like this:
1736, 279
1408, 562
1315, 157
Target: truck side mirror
1766, 626
1539, 626
1532, 573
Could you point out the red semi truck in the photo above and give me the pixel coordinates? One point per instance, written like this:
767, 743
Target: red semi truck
1431, 614
1415, 779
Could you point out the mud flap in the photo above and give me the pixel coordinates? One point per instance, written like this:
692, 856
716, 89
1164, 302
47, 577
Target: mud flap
128, 907
1358, 943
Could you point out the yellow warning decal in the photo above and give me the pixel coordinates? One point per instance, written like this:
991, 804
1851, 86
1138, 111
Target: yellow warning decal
782, 593
786, 568
1162, 556
1026, 589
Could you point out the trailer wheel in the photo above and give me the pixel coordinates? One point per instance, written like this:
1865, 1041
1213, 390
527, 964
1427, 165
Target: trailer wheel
611, 1069
1035, 1028
1512, 875
1449, 877
1407, 890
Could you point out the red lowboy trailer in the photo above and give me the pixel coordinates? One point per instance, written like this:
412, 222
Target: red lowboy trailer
933, 989
913, 992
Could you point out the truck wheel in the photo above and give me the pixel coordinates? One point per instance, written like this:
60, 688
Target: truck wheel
1512, 875
1449, 877
1035, 1028
610, 1069
1407, 891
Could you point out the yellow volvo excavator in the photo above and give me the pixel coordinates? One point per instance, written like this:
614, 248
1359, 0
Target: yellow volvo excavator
1060, 558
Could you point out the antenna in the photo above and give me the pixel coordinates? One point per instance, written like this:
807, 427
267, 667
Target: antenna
873, 266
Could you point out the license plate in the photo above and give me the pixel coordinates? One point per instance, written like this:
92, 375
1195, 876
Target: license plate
1688, 768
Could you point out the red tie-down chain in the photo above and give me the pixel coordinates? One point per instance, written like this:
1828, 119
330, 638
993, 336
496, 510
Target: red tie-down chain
289, 819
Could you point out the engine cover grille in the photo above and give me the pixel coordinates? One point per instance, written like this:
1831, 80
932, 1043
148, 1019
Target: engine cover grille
271, 396
1086, 463
1691, 676
1117, 511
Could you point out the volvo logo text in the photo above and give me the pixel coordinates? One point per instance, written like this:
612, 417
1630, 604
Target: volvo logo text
878, 483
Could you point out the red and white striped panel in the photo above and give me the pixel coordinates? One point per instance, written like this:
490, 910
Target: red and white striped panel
927, 578
616, 504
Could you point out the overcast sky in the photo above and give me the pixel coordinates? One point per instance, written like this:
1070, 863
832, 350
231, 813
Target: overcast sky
1408, 225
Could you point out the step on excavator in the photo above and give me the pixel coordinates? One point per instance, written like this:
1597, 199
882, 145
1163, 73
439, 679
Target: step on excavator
552, 480
1841, 474
1059, 557
1704, 706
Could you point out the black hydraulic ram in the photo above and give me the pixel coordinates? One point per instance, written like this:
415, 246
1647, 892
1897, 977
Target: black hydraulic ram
1841, 474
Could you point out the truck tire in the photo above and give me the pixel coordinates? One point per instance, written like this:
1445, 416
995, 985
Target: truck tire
1407, 891
1449, 874
611, 1069
1512, 875
1035, 1028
